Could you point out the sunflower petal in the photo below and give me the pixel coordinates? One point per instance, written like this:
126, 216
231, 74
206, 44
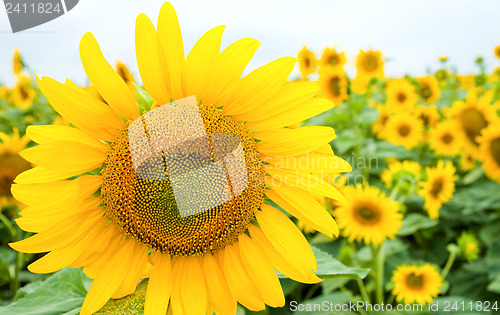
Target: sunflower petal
169, 34
49, 133
105, 79
137, 267
289, 142
312, 162
147, 49
159, 286
219, 294
189, 286
262, 271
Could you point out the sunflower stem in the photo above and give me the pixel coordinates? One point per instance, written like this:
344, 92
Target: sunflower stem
378, 267
391, 299
351, 298
449, 262
363, 291
9, 225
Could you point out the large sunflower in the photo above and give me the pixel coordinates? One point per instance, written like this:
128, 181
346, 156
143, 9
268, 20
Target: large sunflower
473, 115
490, 151
118, 214
370, 64
428, 89
438, 188
404, 129
444, 139
401, 94
333, 84
11, 164
418, 284
369, 215
307, 62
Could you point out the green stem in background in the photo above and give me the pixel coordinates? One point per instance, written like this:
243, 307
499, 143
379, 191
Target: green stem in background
453, 249
363, 291
391, 299
311, 291
351, 298
378, 268
9, 225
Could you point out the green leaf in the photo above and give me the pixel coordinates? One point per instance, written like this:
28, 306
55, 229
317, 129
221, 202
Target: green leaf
131, 304
367, 116
143, 98
414, 222
494, 285
472, 176
329, 267
62, 293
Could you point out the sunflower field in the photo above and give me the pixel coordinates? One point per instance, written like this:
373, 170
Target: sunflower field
360, 194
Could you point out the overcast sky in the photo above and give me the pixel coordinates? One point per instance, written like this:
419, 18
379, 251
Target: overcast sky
411, 34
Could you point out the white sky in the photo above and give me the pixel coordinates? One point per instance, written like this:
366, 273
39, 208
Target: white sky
411, 34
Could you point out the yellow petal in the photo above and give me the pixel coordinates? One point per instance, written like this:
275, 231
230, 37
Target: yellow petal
293, 115
109, 278
308, 182
286, 237
288, 142
189, 286
219, 294
169, 34
159, 286
41, 175
49, 133
304, 207
200, 63
147, 48
250, 92
63, 190
231, 63
262, 271
105, 79
239, 281
81, 109
287, 267
65, 156
290, 95
137, 267
311, 162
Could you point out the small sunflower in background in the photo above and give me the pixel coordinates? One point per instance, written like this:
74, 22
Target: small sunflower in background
428, 89
404, 129
333, 84
332, 58
429, 115
23, 94
403, 174
489, 151
17, 65
416, 284
369, 64
132, 223
468, 246
444, 139
497, 51
467, 161
438, 188
466, 82
473, 115
307, 62
442, 76
401, 94
11, 164
379, 125
4, 93
369, 215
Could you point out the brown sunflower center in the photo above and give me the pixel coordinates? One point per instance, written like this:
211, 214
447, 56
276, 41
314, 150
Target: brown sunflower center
333, 60
404, 130
11, 165
307, 62
335, 86
147, 209
425, 91
473, 122
370, 62
414, 281
447, 138
401, 97
495, 150
437, 187
367, 215
23, 91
